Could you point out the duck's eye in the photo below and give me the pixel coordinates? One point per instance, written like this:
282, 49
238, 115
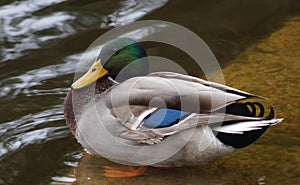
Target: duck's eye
93, 70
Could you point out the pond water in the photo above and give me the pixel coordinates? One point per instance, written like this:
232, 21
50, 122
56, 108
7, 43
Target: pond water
41, 43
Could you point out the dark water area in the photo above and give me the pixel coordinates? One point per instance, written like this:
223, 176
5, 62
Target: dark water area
41, 43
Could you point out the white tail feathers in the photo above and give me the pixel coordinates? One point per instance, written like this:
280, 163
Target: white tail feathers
241, 127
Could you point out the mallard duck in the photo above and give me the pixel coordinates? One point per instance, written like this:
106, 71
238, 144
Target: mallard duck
161, 119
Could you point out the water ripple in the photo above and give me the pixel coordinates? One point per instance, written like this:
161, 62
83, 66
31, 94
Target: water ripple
25, 8
23, 30
130, 11
21, 84
63, 180
31, 129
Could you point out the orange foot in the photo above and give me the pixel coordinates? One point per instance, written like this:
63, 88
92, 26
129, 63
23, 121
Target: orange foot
125, 171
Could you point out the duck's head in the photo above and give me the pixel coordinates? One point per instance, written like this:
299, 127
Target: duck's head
115, 56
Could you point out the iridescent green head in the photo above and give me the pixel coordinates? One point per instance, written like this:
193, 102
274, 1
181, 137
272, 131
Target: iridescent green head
120, 57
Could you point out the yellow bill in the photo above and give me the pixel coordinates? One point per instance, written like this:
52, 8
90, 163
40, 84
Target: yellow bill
94, 73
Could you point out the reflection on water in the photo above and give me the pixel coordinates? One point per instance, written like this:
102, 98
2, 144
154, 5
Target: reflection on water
40, 45
26, 26
25, 83
26, 130
130, 11
89, 171
21, 27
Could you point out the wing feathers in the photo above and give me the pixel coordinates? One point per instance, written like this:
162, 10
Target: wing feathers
155, 135
204, 82
240, 128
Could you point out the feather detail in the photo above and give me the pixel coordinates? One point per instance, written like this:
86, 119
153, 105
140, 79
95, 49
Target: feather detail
164, 117
222, 87
155, 135
241, 127
139, 120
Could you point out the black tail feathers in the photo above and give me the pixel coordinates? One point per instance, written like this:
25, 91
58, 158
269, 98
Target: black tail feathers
250, 109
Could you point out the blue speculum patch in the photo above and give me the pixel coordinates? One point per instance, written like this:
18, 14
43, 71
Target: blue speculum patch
165, 117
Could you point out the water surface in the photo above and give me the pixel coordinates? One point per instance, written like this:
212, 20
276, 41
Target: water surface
42, 41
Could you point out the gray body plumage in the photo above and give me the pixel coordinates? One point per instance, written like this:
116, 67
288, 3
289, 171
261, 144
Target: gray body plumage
111, 124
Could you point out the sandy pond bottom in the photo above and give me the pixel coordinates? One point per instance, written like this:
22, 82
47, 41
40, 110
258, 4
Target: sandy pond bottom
269, 68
